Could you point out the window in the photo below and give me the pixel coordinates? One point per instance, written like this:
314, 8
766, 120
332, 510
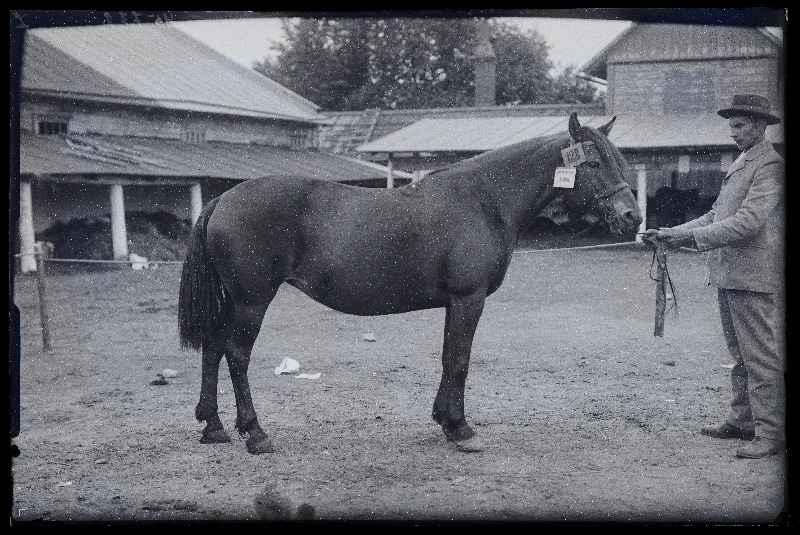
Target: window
193, 136
51, 127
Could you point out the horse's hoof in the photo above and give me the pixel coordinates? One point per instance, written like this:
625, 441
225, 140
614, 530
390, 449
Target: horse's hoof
217, 436
471, 445
259, 445
460, 433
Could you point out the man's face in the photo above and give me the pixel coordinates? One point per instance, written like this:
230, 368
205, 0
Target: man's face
746, 131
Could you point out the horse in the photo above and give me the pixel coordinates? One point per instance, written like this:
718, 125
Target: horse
443, 241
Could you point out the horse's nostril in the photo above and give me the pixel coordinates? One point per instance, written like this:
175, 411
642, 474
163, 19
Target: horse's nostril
632, 217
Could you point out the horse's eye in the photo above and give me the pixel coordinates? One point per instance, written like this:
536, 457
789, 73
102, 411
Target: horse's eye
594, 164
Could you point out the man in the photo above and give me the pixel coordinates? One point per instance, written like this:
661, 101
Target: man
743, 234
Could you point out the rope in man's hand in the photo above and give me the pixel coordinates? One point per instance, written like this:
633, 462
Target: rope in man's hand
662, 280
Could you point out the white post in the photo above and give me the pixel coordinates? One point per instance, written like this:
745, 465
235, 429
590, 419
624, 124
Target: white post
119, 235
197, 202
417, 176
390, 176
641, 197
26, 234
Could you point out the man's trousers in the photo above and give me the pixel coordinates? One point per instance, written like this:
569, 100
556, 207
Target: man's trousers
757, 376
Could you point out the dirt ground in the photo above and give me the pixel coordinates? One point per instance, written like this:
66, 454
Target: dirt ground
585, 415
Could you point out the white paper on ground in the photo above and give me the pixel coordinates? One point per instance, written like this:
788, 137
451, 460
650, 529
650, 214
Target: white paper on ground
308, 376
287, 366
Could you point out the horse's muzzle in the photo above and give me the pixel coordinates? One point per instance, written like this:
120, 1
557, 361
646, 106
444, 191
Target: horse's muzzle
625, 222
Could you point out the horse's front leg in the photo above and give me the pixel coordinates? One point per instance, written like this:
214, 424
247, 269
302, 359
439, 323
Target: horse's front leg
461, 320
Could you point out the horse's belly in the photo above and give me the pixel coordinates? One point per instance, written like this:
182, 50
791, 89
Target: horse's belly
364, 296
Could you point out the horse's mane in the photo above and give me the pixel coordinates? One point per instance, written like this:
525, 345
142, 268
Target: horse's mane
609, 152
472, 162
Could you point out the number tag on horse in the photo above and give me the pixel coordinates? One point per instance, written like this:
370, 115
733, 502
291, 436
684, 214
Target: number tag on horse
573, 155
565, 177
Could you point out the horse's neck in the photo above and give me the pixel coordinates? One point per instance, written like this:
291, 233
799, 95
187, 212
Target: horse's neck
518, 184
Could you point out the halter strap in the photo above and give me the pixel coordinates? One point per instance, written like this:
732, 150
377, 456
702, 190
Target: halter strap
611, 191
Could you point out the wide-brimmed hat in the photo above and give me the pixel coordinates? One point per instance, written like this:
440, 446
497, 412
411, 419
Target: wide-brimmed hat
750, 105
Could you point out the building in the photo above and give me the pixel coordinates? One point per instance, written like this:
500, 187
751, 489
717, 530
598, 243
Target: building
123, 117
665, 83
353, 132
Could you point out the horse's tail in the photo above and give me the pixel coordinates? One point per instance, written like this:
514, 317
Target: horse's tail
203, 301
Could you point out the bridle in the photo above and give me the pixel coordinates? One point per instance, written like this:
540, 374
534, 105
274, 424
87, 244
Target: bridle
600, 196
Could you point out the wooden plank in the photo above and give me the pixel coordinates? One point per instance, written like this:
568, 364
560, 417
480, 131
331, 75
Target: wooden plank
108, 180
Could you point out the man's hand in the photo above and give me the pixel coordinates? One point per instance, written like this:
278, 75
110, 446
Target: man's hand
671, 237
650, 236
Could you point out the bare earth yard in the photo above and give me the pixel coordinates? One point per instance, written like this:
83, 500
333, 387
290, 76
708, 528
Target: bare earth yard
585, 415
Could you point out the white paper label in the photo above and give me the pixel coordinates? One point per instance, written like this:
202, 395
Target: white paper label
573, 155
565, 177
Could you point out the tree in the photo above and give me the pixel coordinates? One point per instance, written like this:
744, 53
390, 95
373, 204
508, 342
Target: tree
522, 67
419, 63
360, 63
324, 60
569, 89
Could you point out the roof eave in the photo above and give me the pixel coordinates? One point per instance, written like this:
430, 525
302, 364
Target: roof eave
168, 104
597, 66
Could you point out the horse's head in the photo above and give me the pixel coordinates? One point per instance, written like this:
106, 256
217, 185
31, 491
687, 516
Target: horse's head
600, 181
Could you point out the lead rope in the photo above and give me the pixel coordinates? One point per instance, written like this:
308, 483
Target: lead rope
662, 278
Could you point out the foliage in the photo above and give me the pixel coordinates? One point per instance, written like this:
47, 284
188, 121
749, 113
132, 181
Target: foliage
400, 62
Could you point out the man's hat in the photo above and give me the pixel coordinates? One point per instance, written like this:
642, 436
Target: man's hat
750, 105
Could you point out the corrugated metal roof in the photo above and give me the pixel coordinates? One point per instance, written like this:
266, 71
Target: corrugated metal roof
648, 131
125, 156
345, 131
630, 131
154, 65
471, 134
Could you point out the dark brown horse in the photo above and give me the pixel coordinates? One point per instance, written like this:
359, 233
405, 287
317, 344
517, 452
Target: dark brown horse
445, 241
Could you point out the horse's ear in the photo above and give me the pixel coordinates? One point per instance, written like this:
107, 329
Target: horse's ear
606, 128
574, 125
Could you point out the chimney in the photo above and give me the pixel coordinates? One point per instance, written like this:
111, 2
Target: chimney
485, 69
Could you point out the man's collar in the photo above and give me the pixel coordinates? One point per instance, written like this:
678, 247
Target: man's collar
757, 149
752, 153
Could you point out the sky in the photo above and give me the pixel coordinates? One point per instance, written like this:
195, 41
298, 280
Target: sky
249, 40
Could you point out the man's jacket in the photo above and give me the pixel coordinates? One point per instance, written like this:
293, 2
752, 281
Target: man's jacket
744, 231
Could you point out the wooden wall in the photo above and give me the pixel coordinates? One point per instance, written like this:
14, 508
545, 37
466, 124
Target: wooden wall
104, 119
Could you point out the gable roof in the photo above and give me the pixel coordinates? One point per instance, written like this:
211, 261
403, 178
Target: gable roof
648, 42
153, 65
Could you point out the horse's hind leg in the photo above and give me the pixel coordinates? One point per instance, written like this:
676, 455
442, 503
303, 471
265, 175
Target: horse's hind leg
246, 324
207, 409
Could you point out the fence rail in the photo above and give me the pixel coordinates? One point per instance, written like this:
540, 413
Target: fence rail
41, 283
39, 258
